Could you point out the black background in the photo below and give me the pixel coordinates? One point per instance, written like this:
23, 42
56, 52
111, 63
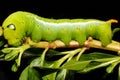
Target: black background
98, 9
62, 9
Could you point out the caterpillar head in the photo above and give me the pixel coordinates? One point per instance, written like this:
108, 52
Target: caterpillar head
14, 30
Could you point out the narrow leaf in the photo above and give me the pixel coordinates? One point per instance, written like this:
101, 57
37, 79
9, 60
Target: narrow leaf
10, 56
36, 62
24, 75
33, 74
14, 67
6, 50
96, 55
65, 74
112, 66
62, 74
75, 65
95, 65
1, 43
30, 73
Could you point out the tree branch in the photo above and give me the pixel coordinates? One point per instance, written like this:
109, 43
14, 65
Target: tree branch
113, 46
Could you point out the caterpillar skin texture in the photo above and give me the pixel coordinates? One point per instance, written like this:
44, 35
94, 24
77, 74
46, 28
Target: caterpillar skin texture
20, 24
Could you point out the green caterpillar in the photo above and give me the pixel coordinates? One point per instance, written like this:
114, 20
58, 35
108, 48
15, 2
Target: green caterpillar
22, 24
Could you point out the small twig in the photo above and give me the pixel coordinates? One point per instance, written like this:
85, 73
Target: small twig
113, 46
43, 56
80, 53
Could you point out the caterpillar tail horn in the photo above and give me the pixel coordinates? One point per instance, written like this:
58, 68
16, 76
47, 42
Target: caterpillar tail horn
113, 21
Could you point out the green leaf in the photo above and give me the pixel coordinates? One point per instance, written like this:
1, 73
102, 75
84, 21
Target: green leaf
1, 43
12, 55
38, 51
52, 52
30, 73
90, 61
33, 74
14, 67
94, 65
1, 55
75, 65
65, 74
112, 66
98, 60
6, 50
24, 75
36, 62
95, 55
62, 74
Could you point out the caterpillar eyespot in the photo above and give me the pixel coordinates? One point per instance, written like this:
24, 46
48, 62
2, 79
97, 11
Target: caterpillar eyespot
39, 28
11, 26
